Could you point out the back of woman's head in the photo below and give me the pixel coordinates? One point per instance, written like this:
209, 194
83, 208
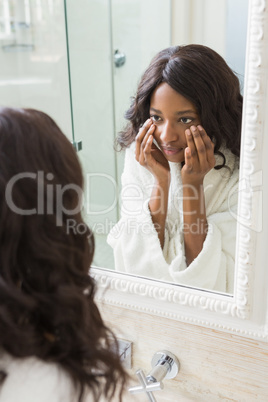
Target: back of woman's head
202, 76
46, 295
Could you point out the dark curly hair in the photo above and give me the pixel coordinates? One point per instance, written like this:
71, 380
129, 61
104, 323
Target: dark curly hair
47, 307
203, 77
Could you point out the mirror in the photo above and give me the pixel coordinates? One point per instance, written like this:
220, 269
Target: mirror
34, 72
246, 312
111, 68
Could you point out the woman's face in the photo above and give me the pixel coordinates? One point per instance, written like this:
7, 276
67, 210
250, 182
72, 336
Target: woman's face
172, 114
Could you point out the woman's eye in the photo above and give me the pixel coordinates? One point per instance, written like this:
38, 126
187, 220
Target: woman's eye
186, 120
155, 118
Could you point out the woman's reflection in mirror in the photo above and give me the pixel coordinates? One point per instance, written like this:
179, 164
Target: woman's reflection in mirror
54, 345
181, 172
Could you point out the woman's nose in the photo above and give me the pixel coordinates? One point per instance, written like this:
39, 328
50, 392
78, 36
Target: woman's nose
168, 133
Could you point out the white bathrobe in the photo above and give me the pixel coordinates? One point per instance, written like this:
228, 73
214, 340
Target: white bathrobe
33, 380
135, 242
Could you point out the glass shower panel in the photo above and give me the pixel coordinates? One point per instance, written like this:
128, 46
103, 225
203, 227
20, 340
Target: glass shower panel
88, 31
33, 58
110, 44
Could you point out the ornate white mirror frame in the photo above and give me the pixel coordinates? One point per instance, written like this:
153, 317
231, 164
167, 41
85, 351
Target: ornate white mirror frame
246, 311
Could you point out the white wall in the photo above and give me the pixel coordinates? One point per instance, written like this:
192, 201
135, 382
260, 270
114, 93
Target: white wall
221, 25
236, 35
199, 21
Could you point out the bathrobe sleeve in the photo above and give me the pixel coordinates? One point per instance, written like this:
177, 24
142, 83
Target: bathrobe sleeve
135, 242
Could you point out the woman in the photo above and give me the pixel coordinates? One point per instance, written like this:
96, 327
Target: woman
54, 345
181, 171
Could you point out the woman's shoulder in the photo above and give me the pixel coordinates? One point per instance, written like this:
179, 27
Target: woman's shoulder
31, 379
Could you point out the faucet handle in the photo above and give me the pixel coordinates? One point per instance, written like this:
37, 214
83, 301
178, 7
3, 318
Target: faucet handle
146, 386
164, 365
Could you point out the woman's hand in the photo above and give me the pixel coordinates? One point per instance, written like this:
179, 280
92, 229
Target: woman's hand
152, 158
148, 155
199, 160
199, 156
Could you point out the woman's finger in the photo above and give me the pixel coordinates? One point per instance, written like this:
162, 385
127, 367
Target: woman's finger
140, 137
188, 159
192, 151
147, 135
209, 146
200, 145
143, 130
142, 154
148, 148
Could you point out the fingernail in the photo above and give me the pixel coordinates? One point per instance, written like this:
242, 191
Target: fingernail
188, 132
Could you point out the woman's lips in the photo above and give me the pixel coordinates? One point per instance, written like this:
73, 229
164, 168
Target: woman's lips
171, 151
